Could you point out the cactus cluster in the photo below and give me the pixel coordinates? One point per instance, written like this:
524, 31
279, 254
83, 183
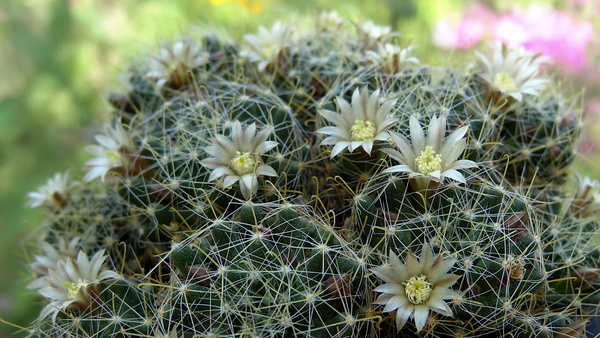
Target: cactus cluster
324, 183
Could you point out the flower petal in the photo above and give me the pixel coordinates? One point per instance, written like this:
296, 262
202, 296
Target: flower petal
417, 136
265, 146
436, 132
265, 170
390, 288
420, 315
398, 301
399, 169
452, 142
402, 315
338, 148
455, 175
367, 147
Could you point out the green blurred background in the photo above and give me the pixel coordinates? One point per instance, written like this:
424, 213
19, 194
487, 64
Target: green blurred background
59, 59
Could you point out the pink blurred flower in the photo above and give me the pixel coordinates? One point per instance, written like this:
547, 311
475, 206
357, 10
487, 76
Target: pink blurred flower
586, 146
474, 25
592, 108
588, 142
538, 29
542, 30
463, 36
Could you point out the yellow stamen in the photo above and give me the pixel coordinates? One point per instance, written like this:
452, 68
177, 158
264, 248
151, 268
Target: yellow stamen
75, 287
505, 82
428, 161
242, 164
113, 156
362, 131
417, 289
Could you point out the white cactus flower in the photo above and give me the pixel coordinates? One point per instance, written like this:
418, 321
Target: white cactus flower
114, 154
370, 34
239, 158
328, 22
586, 201
172, 65
512, 72
360, 124
432, 158
391, 58
74, 284
43, 264
416, 287
55, 194
265, 47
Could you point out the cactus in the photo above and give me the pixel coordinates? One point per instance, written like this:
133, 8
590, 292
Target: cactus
324, 183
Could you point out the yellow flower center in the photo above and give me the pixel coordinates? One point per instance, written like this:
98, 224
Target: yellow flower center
113, 156
428, 161
417, 289
75, 287
505, 82
242, 164
179, 68
269, 50
362, 131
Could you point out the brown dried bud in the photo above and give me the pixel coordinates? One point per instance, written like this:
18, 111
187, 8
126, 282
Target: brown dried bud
514, 225
317, 83
516, 270
262, 232
123, 103
61, 200
585, 277
289, 258
573, 330
338, 286
201, 274
160, 193
181, 76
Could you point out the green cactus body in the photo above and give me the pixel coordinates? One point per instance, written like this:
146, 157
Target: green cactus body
325, 184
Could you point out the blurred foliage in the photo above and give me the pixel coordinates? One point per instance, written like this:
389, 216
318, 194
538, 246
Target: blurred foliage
61, 58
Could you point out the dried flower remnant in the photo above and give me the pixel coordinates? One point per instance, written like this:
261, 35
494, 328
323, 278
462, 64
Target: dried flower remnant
514, 268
